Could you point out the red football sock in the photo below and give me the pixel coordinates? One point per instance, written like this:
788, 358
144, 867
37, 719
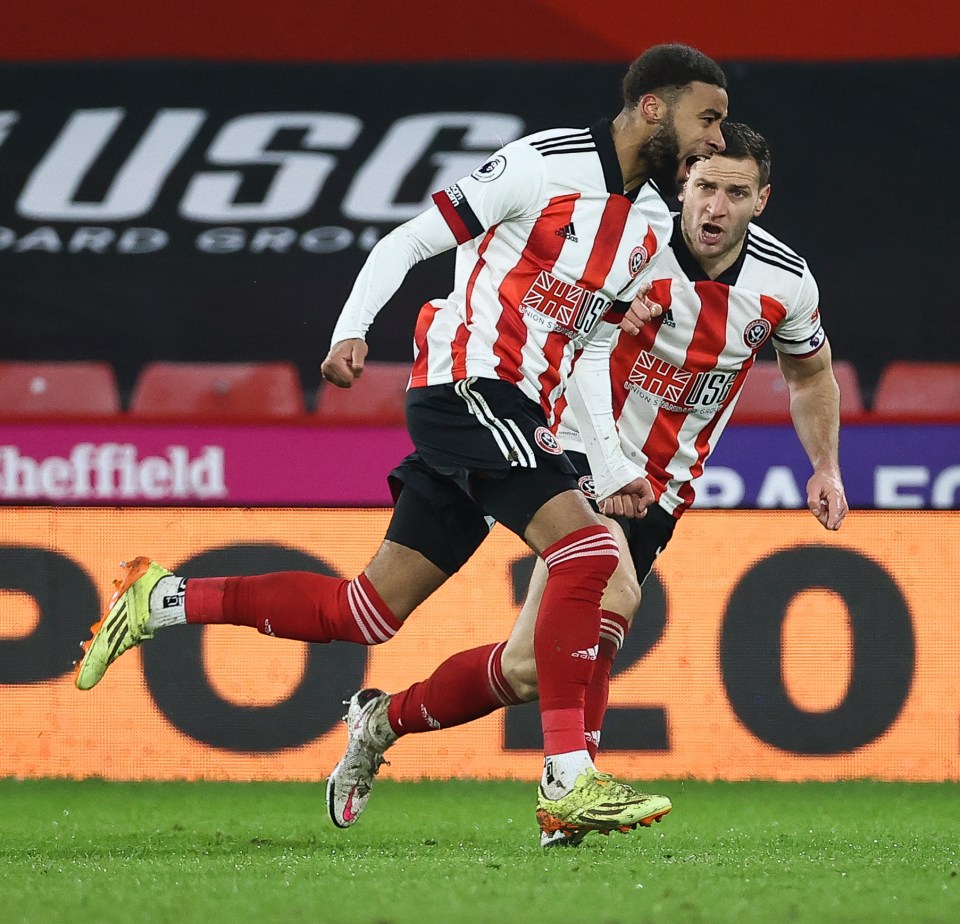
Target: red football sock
613, 630
467, 686
294, 604
568, 627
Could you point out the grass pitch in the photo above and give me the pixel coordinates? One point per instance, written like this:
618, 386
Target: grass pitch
467, 852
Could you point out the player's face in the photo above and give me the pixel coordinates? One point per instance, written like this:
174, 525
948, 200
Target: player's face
720, 197
691, 129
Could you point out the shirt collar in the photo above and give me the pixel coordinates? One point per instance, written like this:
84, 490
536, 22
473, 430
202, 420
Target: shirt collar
602, 133
612, 174
691, 266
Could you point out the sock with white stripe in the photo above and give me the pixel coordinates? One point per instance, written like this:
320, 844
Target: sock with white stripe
565, 640
466, 686
613, 630
295, 604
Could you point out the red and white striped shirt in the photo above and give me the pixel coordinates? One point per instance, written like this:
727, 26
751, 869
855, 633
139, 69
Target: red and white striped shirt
676, 383
548, 242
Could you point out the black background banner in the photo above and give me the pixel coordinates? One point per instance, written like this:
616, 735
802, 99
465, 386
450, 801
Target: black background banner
196, 211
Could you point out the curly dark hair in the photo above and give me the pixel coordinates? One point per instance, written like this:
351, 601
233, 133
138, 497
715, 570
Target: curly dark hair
667, 69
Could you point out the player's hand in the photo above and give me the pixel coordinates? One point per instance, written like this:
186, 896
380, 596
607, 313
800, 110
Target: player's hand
641, 311
344, 363
826, 499
631, 500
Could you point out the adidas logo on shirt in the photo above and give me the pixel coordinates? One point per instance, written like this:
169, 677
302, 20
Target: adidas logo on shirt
569, 232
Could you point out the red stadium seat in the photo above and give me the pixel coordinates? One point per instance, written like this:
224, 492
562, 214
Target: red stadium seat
226, 391
765, 393
377, 398
58, 389
917, 389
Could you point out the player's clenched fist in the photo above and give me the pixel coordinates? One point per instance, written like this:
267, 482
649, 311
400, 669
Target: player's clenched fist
641, 310
631, 500
827, 500
344, 363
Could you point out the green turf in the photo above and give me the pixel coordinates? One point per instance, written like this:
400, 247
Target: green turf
466, 852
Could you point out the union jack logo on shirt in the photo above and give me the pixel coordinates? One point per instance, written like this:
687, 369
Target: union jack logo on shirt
554, 298
658, 377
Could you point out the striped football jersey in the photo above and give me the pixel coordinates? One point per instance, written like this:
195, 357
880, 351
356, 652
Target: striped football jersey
676, 383
548, 245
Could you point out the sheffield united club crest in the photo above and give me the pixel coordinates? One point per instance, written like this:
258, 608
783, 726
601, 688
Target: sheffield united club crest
756, 332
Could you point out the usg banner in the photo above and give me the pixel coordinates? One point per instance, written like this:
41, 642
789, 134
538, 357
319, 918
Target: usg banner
209, 211
765, 648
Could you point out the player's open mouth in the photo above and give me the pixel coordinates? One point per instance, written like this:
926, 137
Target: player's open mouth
710, 233
687, 165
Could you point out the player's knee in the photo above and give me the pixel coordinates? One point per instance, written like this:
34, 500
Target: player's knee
609, 560
622, 594
589, 554
520, 671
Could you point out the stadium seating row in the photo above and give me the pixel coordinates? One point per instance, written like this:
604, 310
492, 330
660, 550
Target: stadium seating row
205, 391
258, 391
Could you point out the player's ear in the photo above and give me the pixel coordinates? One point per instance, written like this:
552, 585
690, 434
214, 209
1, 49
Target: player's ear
652, 109
762, 201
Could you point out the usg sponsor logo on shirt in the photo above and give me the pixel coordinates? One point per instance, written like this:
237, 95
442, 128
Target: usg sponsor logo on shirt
563, 306
666, 385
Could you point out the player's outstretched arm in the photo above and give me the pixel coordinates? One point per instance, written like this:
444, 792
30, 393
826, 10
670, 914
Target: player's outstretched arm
815, 409
385, 268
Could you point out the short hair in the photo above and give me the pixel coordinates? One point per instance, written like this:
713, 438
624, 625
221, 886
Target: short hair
670, 68
743, 143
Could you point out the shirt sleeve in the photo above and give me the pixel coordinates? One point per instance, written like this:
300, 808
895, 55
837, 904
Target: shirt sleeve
590, 400
507, 186
386, 267
800, 333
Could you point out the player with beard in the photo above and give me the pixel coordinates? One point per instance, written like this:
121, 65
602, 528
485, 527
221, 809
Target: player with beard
727, 286
556, 231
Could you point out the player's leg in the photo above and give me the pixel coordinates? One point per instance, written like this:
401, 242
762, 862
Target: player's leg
448, 533
517, 474
473, 683
574, 798
580, 556
427, 540
476, 682
418, 555
620, 601
466, 686
640, 542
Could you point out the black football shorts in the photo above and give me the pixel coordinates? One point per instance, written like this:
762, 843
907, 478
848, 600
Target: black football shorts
484, 453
